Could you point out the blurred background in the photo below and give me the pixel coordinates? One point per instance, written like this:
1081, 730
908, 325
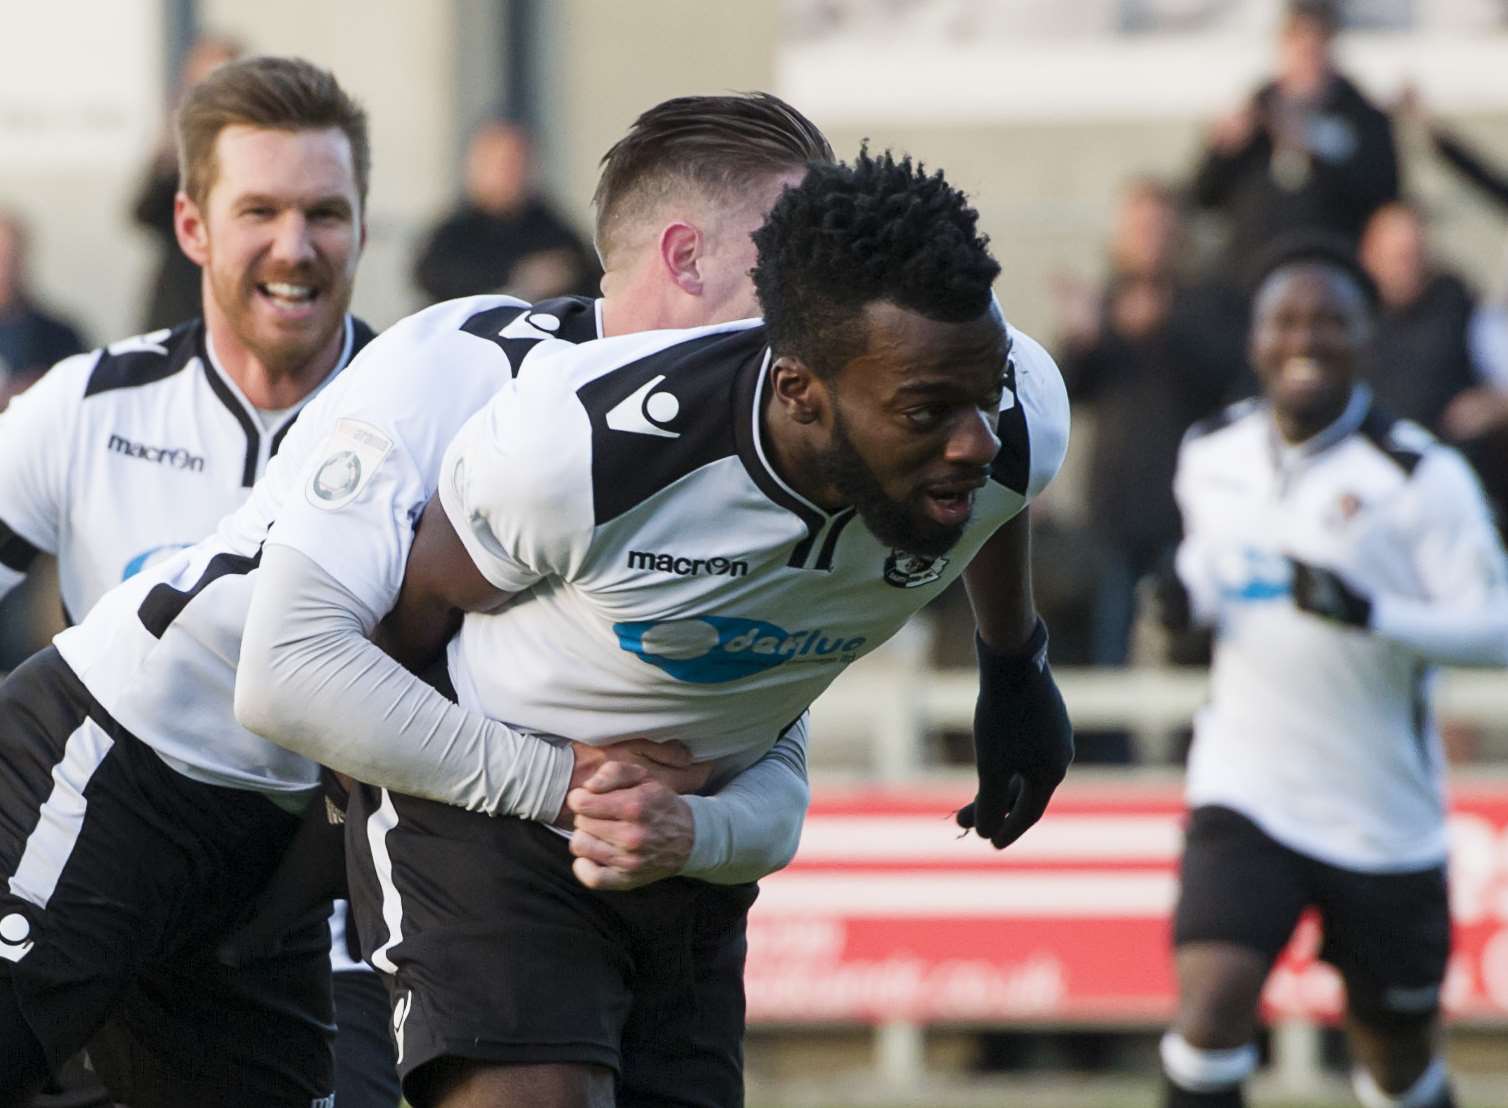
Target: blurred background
892, 964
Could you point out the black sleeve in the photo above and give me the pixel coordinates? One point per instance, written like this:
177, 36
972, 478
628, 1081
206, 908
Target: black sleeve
153, 206
1466, 161
1218, 174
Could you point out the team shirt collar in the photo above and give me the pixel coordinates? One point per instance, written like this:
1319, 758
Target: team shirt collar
1287, 456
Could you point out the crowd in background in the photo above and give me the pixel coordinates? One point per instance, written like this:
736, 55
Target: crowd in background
1159, 343
1155, 345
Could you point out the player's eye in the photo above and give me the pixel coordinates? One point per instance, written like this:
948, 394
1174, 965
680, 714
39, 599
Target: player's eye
925, 418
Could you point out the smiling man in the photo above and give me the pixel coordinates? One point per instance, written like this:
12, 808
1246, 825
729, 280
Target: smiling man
686, 536
1339, 555
122, 456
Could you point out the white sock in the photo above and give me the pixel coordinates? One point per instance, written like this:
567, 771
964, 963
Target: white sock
1421, 1094
1206, 1071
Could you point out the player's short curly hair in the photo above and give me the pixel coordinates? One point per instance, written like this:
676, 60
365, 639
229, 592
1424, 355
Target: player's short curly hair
878, 229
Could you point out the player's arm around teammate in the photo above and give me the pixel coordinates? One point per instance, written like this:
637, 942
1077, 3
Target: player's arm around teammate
676, 245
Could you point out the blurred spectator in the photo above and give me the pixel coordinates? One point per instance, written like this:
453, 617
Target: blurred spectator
1150, 354
173, 293
1418, 354
1477, 417
31, 340
1307, 151
504, 237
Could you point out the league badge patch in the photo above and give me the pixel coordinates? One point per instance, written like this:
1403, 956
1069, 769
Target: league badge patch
345, 462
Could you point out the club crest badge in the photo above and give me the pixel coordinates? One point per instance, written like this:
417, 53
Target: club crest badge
910, 571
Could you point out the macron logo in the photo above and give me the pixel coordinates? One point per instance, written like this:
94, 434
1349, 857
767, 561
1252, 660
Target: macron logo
645, 412
174, 457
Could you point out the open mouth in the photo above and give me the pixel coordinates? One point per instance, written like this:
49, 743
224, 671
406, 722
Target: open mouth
1303, 372
288, 297
951, 504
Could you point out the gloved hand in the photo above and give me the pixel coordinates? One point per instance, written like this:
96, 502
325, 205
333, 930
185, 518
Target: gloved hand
1321, 592
1023, 740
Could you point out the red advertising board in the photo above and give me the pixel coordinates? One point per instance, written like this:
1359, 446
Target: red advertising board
887, 913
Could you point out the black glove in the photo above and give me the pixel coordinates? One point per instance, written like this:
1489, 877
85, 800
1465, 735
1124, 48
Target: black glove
1023, 741
1321, 592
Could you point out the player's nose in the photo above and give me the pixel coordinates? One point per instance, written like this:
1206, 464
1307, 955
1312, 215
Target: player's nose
292, 241
973, 441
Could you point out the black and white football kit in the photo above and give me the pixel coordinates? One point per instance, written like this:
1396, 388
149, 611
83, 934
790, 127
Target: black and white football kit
671, 585
155, 664
118, 459
1316, 776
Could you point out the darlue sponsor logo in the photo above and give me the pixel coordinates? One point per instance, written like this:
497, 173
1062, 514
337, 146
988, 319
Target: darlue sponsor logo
711, 650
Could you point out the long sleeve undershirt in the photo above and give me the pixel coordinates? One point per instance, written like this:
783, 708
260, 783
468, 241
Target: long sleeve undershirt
311, 680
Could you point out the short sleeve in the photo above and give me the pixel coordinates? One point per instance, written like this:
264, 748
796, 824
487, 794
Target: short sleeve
516, 485
36, 444
353, 512
367, 451
1044, 399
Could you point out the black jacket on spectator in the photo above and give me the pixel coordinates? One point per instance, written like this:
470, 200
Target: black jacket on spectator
31, 340
175, 292
1145, 393
1419, 356
1337, 194
473, 252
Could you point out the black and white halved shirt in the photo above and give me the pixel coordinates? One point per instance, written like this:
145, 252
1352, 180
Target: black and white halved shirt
672, 585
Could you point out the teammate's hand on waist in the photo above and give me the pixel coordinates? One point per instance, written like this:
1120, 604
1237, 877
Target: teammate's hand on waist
1323, 593
668, 763
630, 829
1023, 741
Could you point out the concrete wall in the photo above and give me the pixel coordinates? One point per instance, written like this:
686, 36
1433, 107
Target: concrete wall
79, 110
611, 60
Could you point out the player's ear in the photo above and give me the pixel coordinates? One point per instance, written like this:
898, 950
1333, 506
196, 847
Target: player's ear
799, 392
680, 254
188, 225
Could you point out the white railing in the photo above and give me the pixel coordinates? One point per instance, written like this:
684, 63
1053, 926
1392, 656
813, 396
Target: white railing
881, 710
892, 699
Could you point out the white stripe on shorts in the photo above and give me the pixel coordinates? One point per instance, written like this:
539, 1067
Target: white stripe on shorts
379, 823
51, 843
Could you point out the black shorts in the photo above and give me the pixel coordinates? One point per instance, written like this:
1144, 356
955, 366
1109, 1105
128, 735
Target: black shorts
118, 879
493, 952
1387, 933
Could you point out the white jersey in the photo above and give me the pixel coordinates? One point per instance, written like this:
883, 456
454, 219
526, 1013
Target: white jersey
1320, 733
160, 651
672, 585
120, 457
